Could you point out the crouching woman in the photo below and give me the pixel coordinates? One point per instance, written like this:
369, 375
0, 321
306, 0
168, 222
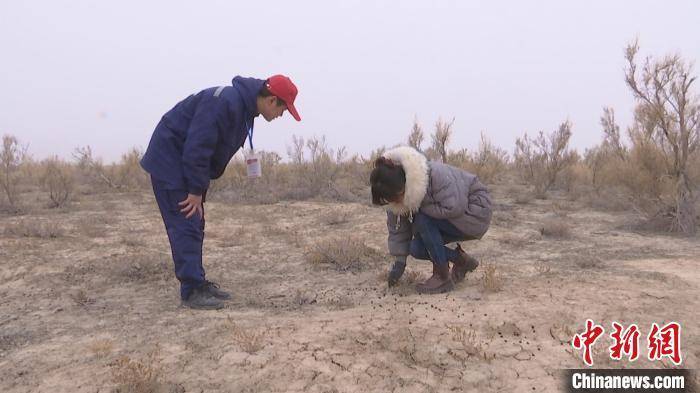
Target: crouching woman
429, 204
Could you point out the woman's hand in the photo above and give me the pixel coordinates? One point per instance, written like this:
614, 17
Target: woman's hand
396, 272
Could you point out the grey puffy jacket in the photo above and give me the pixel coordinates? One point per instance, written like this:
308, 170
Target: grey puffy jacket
437, 190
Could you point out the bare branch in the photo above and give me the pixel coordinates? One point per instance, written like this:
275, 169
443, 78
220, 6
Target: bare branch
415, 138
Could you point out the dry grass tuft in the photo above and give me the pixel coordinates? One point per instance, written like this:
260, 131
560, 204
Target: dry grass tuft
524, 198
408, 348
272, 230
133, 239
302, 298
81, 298
588, 262
35, 229
383, 275
141, 266
249, 340
344, 254
101, 348
469, 343
138, 375
95, 226
340, 302
467, 338
542, 268
336, 218
413, 277
555, 228
514, 240
492, 280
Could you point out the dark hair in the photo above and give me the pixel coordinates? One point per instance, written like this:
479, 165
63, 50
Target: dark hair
388, 180
265, 92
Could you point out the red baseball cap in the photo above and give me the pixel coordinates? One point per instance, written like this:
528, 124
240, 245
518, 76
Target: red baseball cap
283, 88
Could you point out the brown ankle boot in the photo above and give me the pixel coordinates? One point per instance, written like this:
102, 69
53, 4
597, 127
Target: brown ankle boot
439, 282
465, 263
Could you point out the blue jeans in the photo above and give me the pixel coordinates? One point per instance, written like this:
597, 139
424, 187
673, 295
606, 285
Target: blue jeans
430, 236
186, 236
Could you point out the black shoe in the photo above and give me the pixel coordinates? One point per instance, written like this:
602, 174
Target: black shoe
201, 299
396, 272
214, 290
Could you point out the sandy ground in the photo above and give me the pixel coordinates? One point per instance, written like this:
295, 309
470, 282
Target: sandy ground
96, 306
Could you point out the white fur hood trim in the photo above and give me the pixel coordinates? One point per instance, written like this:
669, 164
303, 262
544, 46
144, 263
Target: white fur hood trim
415, 165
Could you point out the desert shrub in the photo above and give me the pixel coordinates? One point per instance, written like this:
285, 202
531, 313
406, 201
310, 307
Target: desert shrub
460, 158
12, 157
319, 171
694, 170
126, 175
415, 138
595, 160
644, 173
575, 179
57, 180
234, 185
366, 165
668, 113
314, 171
541, 159
658, 168
636, 176
91, 169
439, 140
488, 162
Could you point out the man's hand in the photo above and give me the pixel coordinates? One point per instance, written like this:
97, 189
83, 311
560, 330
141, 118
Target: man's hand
191, 205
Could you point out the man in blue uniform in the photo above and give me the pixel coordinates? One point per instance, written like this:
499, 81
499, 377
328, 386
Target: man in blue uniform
192, 144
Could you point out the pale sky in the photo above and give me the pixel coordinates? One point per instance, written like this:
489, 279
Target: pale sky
102, 73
